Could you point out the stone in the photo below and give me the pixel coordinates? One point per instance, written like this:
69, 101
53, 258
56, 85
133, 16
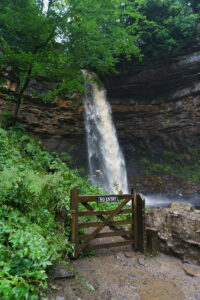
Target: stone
107, 295
191, 270
161, 289
90, 286
177, 227
119, 256
181, 206
128, 254
141, 261
59, 272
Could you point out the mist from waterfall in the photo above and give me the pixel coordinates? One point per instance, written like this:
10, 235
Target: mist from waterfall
104, 153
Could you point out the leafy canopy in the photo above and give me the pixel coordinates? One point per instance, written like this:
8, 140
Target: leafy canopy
174, 23
57, 40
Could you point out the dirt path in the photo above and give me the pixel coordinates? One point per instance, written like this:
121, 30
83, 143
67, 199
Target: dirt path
122, 274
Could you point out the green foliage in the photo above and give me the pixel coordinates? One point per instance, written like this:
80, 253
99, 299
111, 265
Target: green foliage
186, 166
34, 196
29, 48
55, 43
99, 35
174, 22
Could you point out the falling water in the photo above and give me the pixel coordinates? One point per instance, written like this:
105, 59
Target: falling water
104, 153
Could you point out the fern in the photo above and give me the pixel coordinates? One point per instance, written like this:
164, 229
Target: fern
34, 188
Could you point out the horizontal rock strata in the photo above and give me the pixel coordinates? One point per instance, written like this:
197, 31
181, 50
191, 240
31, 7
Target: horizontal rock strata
178, 229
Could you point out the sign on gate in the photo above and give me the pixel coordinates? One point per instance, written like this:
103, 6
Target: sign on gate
102, 199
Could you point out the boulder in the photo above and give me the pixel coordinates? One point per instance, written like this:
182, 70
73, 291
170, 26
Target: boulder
178, 229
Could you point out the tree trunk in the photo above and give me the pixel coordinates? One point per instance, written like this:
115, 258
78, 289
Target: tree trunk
19, 100
22, 90
18, 104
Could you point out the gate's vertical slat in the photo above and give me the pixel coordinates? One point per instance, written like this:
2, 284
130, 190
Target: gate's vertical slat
135, 221
141, 223
132, 205
74, 220
143, 228
139, 209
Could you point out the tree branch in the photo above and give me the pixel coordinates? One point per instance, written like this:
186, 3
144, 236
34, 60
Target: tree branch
51, 2
46, 42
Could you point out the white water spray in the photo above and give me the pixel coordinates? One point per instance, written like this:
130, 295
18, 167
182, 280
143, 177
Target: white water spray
104, 152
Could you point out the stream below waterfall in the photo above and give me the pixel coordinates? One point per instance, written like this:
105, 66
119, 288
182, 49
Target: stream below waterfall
164, 201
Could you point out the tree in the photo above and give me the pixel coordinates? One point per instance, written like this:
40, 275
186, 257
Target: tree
54, 40
28, 45
176, 22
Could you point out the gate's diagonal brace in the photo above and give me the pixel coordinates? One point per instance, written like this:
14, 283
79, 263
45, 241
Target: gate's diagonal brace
105, 223
113, 227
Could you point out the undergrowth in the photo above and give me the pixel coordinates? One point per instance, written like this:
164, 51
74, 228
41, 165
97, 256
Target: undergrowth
186, 166
34, 196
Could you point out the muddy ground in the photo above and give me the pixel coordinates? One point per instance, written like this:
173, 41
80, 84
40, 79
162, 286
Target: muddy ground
122, 274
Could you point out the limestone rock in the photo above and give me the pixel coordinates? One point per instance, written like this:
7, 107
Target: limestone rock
178, 227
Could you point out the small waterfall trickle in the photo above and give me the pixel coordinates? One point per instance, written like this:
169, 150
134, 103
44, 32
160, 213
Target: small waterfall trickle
104, 153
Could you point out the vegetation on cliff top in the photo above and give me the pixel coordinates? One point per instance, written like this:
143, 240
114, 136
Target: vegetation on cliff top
54, 39
177, 22
34, 227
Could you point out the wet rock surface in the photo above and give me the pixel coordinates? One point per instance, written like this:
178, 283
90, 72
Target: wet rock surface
172, 75
119, 275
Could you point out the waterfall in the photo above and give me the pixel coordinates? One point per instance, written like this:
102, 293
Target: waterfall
106, 161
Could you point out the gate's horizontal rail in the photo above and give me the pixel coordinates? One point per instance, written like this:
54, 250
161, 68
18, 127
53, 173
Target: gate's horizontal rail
103, 212
102, 218
96, 224
92, 198
110, 245
107, 234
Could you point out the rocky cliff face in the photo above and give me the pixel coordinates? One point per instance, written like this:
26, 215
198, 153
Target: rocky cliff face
159, 80
59, 124
155, 106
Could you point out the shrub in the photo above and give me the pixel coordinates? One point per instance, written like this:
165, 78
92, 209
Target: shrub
34, 192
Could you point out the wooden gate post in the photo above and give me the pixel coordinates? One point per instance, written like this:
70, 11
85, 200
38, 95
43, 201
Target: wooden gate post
74, 220
139, 223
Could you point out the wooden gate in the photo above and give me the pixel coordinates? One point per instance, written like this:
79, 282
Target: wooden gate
134, 236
